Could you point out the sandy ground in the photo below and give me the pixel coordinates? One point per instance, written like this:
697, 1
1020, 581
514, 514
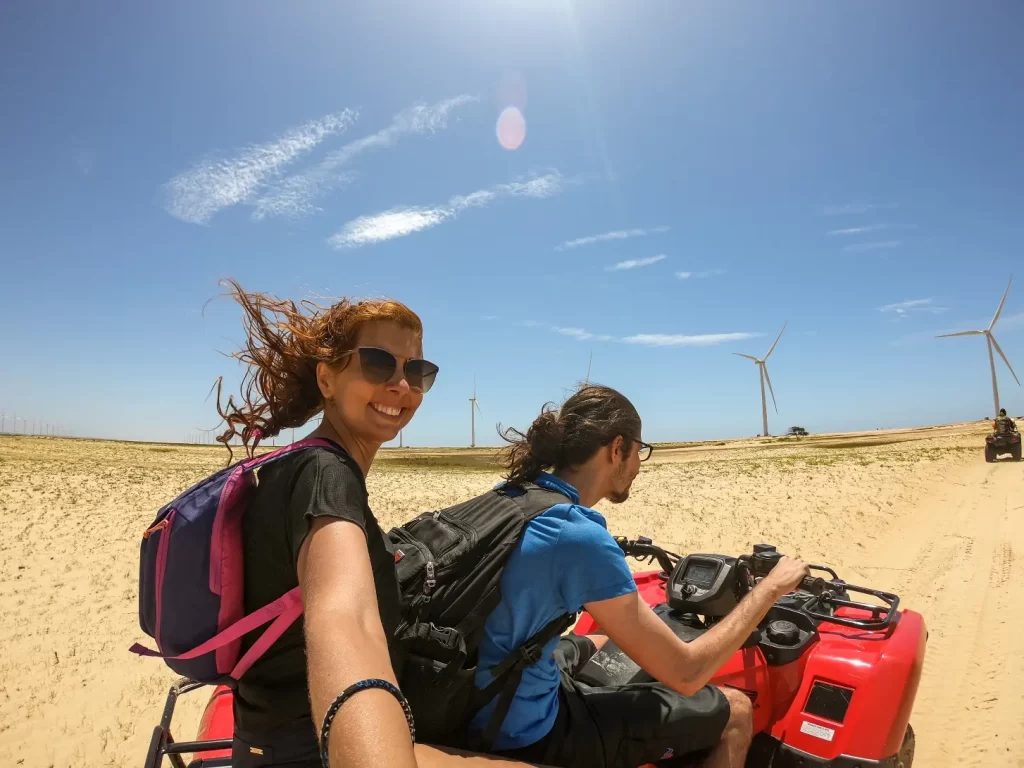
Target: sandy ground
918, 512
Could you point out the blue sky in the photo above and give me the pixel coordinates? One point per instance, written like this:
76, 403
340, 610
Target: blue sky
693, 175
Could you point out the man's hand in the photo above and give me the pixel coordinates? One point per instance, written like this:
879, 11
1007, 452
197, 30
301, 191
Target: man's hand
786, 575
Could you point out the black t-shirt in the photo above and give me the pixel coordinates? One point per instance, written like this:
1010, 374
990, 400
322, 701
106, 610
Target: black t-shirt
292, 490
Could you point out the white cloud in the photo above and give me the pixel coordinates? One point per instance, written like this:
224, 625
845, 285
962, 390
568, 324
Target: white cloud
848, 209
857, 230
294, 195
913, 305
198, 194
647, 339
580, 334
634, 263
700, 275
875, 246
1010, 322
1006, 324
619, 234
576, 333
679, 340
400, 222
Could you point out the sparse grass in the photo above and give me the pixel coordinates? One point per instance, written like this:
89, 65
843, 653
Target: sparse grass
850, 445
460, 462
690, 444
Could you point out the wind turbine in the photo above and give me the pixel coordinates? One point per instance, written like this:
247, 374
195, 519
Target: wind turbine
991, 341
589, 363
474, 406
763, 376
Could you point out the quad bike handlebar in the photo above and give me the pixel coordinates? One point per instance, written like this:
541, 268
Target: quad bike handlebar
642, 548
826, 594
829, 593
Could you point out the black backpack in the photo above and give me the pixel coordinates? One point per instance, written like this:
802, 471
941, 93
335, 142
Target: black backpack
449, 565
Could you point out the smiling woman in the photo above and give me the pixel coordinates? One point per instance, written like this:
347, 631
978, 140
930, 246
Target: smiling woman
340, 360
327, 684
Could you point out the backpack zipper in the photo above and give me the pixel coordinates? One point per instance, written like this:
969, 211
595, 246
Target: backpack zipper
158, 527
430, 582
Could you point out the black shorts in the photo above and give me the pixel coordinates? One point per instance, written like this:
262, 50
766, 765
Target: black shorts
623, 726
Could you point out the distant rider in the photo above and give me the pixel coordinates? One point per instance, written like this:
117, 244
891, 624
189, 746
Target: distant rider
1003, 423
567, 560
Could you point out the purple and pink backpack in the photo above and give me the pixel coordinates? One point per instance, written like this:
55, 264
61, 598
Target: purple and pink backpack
191, 577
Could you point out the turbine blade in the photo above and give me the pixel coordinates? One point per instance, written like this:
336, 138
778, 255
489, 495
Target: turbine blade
749, 357
962, 333
769, 380
1001, 303
1000, 351
776, 340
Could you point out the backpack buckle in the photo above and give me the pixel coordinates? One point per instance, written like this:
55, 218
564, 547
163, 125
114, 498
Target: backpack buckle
530, 654
448, 637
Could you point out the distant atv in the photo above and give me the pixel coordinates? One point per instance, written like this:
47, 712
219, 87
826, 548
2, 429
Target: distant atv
999, 443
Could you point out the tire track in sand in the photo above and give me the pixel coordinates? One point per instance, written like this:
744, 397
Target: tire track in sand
963, 573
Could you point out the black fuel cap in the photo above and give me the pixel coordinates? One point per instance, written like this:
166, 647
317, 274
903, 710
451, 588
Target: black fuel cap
782, 632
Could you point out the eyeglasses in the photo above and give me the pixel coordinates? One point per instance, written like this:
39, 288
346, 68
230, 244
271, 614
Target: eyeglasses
646, 449
379, 365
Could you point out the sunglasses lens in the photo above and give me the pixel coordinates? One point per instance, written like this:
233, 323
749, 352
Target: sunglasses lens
420, 374
378, 365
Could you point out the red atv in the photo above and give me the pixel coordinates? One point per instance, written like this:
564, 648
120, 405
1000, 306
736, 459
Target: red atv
832, 680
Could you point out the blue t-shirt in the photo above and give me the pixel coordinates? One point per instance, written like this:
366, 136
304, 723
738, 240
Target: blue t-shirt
565, 558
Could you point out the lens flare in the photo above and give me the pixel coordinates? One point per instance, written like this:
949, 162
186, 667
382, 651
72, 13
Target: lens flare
511, 128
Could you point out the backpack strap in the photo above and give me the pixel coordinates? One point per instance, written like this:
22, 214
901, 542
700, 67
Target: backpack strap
534, 502
509, 673
285, 610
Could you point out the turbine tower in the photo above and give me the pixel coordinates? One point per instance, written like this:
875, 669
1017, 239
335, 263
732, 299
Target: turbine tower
762, 369
991, 342
474, 406
590, 362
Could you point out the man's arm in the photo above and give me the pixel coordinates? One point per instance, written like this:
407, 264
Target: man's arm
687, 667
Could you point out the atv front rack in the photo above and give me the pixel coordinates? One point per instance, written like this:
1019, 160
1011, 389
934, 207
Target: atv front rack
163, 744
834, 594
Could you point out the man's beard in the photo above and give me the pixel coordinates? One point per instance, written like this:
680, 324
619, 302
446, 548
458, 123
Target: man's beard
618, 497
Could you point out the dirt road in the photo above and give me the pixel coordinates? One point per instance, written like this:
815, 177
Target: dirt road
957, 559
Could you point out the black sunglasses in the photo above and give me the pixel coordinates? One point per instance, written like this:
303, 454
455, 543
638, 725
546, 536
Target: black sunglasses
379, 365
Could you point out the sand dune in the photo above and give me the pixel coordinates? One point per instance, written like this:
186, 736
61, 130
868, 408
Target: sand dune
914, 511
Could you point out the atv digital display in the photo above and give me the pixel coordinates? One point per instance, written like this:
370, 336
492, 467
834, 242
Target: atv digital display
704, 584
701, 574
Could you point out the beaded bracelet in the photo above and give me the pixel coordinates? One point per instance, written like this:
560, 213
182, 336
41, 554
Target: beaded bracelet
345, 695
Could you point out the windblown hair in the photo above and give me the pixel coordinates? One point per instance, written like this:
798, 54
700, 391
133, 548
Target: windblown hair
282, 350
561, 439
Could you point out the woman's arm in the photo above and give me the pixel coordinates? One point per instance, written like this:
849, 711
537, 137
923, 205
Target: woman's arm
345, 642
